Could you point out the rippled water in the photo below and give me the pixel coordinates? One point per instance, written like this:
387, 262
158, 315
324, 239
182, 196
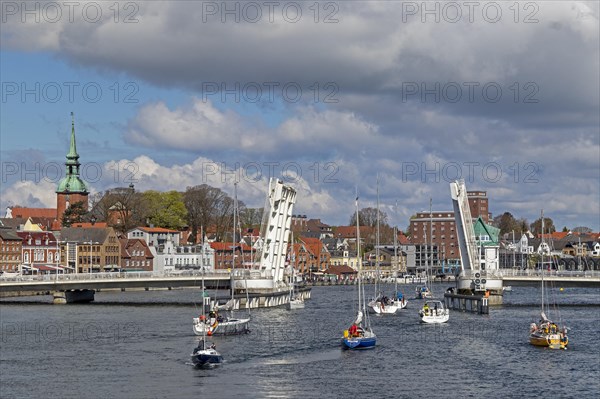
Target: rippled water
137, 345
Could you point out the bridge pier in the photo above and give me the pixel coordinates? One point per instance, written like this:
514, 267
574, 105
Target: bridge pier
73, 296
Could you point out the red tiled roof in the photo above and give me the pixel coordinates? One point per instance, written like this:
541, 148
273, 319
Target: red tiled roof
97, 225
403, 239
37, 235
227, 246
127, 243
33, 212
341, 269
314, 245
157, 230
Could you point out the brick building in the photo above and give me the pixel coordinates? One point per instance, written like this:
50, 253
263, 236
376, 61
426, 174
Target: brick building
10, 251
434, 233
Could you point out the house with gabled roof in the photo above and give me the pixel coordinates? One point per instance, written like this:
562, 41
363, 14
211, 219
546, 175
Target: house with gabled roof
155, 236
40, 251
88, 250
136, 255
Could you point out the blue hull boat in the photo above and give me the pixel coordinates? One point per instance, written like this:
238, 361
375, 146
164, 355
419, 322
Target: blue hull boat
359, 342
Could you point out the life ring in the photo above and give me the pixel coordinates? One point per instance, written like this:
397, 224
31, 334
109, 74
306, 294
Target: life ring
477, 275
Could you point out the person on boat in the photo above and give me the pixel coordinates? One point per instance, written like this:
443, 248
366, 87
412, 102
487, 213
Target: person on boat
426, 309
353, 330
436, 309
200, 346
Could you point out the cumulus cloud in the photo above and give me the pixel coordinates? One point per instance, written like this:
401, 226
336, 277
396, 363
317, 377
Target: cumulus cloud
393, 75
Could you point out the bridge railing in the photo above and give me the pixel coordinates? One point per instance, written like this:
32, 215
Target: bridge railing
117, 275
550, 273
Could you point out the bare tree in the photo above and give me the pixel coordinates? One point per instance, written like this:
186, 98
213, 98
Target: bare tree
536, 227
208, 206
122, 208
368, 217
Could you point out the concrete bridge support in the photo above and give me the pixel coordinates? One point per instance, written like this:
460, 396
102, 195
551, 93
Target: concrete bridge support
73, 296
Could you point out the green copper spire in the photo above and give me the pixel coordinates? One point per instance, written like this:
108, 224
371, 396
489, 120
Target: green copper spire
73, 147
72, 183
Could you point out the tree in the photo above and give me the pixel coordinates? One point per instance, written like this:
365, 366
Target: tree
536, 227
206, 206
166, 209
565, 229
582, 229
251, 216
507, 223
74, 214
523, 225
122, 208
368, 217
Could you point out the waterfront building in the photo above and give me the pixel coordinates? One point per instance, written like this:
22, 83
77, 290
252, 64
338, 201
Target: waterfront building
224, 253
169, 257
11, 246
40, 252
136, 255
155, 236
434, 236
87, 250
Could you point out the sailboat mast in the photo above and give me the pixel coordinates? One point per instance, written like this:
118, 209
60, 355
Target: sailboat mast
429, 244
543, 249
358, 257
233, 246
396, 259
377, 271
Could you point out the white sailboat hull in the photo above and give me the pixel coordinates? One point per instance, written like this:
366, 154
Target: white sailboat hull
228, 327
434, 312
296, 304
391, 308
442, 316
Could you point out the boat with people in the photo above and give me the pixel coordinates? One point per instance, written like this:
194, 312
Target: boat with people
423, 292
383, 304
357, 336
434, 312
545, 332
215, 323
203, 356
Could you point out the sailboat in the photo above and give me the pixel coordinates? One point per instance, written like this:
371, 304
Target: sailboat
357, 336
399, 299
202, 356
296, 300
215, 323
545, 332
381, 304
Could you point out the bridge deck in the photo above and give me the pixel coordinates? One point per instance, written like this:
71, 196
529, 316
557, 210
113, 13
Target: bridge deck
114, 280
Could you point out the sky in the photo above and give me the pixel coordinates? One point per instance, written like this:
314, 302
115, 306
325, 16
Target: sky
330, 96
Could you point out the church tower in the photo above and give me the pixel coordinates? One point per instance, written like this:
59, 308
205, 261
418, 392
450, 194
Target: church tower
71, 188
